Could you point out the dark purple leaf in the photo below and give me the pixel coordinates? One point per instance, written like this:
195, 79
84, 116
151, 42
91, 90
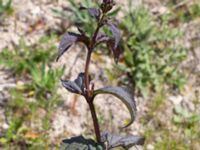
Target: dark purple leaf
116, 33
123, 141
116, 51
124, 96
71, 86
68, 39
76, 86
101, 37
80, 81
80, 143
94, 12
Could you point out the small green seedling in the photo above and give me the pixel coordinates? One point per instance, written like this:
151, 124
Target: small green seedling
5, 8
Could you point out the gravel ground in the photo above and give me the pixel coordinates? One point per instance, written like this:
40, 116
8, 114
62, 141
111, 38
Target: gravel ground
32, 18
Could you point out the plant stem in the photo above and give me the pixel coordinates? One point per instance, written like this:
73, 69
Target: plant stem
89, 92
86, 73
90, 99
95, 121
90, 49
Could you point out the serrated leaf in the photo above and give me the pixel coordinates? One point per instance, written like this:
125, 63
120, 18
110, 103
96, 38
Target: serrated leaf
68, 39
116, 33
76, 86
124, 96
123, 141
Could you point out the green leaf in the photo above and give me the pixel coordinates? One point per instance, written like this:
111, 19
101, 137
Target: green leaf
124, 96
182, 112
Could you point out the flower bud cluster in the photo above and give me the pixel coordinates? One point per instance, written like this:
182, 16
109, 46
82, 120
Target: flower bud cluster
107, 5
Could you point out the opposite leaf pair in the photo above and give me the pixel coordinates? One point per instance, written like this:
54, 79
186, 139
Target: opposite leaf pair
98, 38
77, 87
112, 141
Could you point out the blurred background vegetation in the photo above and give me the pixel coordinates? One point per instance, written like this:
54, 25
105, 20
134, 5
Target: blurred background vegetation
156, 63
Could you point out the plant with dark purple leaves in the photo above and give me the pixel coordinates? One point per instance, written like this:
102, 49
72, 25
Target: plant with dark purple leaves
82, 84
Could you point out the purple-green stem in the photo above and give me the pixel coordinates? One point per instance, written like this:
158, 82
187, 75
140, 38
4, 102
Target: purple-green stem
89, 92
95, 121
90, 99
